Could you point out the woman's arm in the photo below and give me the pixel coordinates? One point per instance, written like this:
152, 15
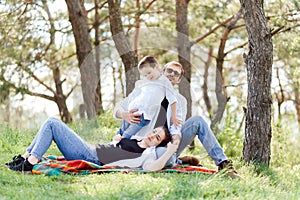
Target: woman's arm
158, 164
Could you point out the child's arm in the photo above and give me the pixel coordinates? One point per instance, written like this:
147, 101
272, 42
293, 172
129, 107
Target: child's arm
174, 119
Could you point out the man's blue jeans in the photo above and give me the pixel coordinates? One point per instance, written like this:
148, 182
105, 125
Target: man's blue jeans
68, 142
196, 126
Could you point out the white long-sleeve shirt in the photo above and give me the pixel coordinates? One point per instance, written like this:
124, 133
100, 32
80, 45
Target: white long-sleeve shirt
148, 95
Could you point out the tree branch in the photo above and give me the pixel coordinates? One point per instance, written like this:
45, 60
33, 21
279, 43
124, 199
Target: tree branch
214, 28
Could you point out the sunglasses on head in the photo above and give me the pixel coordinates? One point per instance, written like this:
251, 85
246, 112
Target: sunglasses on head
170, 71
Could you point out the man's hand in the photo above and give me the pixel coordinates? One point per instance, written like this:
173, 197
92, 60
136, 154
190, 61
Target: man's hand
176, 139
130, 117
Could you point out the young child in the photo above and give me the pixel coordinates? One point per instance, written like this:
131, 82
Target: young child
147, 97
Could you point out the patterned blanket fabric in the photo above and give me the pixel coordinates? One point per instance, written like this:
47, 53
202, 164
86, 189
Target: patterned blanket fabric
56, 165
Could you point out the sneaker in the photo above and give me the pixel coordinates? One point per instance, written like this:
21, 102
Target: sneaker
22, 167
191, 160
16, 161
227, 168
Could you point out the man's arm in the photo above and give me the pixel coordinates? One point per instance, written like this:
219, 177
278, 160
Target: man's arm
121, 110
129, 116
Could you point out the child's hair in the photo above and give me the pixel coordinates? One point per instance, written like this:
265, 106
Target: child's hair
168, 137
147, 61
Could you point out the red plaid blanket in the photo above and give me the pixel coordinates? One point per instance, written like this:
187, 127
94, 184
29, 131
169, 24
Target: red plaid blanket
53, 165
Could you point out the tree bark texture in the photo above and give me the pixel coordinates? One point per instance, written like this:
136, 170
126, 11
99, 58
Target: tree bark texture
85, 55
124, 49
184, 51
258, 131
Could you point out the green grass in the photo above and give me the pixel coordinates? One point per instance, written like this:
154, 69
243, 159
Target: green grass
280, 181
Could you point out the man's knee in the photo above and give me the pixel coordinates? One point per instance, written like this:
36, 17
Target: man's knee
197, 119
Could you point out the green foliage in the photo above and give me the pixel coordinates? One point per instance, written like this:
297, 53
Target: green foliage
285, 147
230, 137
102, 130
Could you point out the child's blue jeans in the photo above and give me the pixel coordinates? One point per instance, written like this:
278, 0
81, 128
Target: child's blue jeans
127, 130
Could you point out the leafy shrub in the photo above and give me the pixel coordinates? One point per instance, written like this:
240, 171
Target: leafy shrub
230, 137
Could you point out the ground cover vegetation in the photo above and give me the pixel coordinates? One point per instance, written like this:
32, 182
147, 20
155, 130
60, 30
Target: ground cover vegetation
279, 181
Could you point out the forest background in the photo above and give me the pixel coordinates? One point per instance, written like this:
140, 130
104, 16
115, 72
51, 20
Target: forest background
42, 48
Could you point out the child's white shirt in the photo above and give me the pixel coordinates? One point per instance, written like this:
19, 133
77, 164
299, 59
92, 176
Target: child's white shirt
148, 95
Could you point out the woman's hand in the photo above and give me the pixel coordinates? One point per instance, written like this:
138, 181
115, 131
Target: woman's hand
172, 148
131, 117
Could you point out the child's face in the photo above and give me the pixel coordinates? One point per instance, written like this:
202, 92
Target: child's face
150, 73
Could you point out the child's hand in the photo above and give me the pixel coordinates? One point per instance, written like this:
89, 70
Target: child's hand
117, 137
175, 121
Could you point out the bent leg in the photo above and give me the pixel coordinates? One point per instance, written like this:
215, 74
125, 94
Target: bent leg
197, 126
69, 143
124, 125
134, 128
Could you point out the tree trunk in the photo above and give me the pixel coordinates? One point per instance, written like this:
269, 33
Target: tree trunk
220, 91
98, 96
137, 27
7, 111
114, 75
85, 55
120, 72
184, 50
297, 103
258, 131
59, 98
204, 86
124, 49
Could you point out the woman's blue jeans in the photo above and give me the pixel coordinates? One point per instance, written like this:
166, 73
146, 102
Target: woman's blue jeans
68, 142
196, 126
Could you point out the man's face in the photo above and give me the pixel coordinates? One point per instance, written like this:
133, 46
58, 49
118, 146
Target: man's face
173, 73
